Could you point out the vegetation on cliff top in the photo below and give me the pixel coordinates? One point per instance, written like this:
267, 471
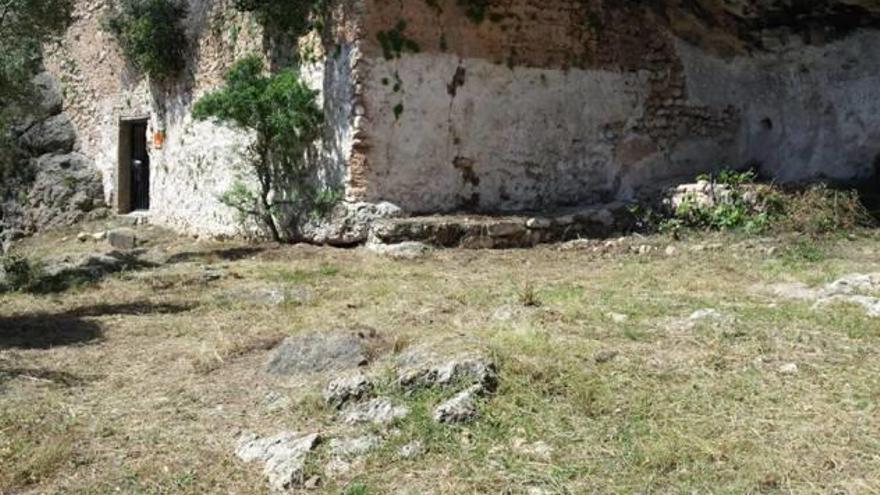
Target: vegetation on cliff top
24, 26
151, 35
295, 17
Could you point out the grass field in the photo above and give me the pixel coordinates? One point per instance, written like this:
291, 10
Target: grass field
141, 382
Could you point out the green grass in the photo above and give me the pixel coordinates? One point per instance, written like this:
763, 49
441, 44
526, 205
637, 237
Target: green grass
673, 406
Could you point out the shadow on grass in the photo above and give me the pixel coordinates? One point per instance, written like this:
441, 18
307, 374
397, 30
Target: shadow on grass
61, 274
92, 269
54, 377
228, 254
48, 330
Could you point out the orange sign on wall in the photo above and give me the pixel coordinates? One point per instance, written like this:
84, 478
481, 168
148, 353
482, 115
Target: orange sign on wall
158, 139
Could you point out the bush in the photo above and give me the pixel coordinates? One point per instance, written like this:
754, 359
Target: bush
18, 273
290, 16
284, 115
819, 209
732, 200
150, 35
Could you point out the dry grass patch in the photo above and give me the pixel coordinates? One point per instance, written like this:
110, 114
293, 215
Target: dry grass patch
589, 401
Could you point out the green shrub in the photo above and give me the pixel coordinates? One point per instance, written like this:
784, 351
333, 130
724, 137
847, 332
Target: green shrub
394, 41
295, 17
475, 10
737, 202
151, 35
284, 115
356, 488
18, 273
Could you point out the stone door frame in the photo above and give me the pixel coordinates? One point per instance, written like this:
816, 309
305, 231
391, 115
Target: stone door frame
123, 161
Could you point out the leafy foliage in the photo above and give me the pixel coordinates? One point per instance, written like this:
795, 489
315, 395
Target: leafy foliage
150, 35
24, 26
394, 41
475, 10
291, 16
283, 113
737, 202
19, 273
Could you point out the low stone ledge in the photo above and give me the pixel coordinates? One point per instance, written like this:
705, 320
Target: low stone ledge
503, 231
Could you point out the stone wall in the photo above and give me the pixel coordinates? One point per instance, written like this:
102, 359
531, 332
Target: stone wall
533, 105
560, 102
197, 161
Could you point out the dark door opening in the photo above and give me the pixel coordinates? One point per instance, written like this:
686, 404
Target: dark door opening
140, 168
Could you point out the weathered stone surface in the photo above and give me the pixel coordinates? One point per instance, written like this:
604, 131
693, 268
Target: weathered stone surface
707, 194
49, 100
423, 368
122, 238
460, 408
859, 289
503, 231
708, 82
53, 135
348, 223
402, 251
853, 284
376, 411
541, 223
347, 388
284, 456
66, 189
347, 448
319, 351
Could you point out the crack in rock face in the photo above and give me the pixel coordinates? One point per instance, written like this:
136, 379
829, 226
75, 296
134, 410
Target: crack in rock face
284, 456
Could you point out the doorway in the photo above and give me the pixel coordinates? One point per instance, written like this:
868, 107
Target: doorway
133, 174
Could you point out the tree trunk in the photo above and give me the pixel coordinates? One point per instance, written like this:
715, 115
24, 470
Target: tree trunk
265, 175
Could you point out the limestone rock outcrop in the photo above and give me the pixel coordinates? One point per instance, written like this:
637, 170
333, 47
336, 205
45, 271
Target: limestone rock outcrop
50, 183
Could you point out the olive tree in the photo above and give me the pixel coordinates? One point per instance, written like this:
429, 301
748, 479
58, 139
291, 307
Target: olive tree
283, 114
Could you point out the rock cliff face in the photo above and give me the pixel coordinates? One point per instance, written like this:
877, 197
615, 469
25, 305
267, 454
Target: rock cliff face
53, 185
514, 105
495, 106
